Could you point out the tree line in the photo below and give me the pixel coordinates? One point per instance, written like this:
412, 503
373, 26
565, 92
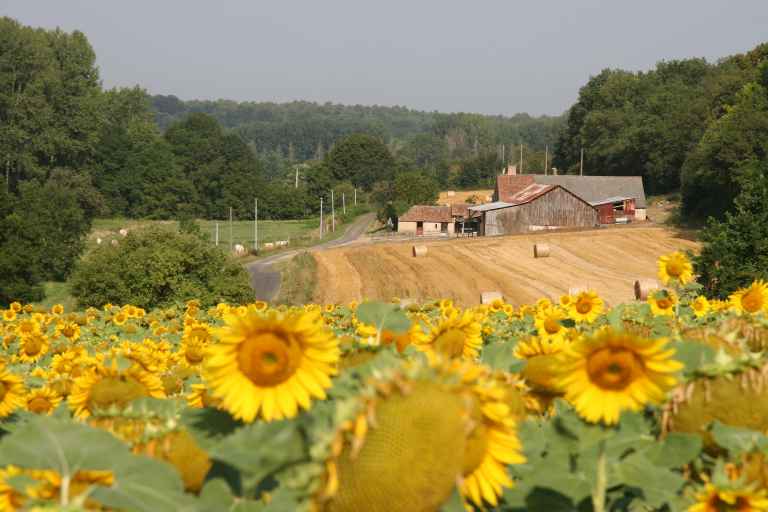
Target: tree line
687, 125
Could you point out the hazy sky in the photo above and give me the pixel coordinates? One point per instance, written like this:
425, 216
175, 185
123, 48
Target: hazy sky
489, 56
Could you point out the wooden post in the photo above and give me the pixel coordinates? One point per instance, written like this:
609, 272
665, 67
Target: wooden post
296, 185
546, 157
344, 202
217, 234
355, 196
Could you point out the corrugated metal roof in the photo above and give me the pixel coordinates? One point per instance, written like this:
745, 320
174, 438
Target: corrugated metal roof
598, 188
530, 193
490, 206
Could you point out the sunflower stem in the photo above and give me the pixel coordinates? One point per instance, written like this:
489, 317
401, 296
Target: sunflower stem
598, 493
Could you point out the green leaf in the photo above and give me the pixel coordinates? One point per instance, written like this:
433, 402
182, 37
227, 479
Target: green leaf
384, 316
454, 503
259, 449
656, 485
737, 440
693, 355
208, 426
676, 450
500, 356
216, 495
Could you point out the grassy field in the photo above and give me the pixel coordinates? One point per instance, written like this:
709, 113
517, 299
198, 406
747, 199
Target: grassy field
299, 280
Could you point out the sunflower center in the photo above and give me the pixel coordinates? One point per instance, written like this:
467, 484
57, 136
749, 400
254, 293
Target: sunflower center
552, 326
33, 346
451, 343
68, 331
27, 327
269, 358
613, 368
194, 354
583, 306
675, 268
752, 301
39, 405
719, 505
664, 303
118, 391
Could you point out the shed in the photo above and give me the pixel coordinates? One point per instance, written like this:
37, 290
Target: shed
422, 220
534, 208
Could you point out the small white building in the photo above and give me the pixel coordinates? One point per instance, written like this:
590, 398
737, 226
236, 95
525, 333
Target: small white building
424, 220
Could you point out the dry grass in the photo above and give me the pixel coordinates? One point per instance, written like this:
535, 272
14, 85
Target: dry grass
462, 196
607, 260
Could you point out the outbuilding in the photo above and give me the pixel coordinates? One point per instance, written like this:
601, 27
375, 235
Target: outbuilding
424, 220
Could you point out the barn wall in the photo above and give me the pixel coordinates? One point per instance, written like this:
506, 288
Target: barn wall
555, 208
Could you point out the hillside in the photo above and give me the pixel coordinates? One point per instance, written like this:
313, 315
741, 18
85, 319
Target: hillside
608, 260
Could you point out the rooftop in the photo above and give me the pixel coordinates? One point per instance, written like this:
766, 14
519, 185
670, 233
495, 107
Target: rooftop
421, 213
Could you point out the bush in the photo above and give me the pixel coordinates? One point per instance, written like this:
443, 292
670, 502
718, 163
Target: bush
735, 250
156, 267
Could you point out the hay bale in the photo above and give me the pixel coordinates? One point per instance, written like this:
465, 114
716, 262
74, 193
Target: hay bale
239, 250
541, 250
98, 241
644, 287
450, 193
577, 289
419, 251
488, 297
123, 232
113, 243
269, 245
407, 302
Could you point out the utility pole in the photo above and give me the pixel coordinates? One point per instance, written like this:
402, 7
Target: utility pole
546, 157
321, 217
333, 215
581, 165
296, 184
355, 196
217, 234
521, 158
230, 229
256, 225
503, 161
344, 202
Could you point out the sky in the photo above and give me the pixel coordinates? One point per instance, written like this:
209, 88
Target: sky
485, 56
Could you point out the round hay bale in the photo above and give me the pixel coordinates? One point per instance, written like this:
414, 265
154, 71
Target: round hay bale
577, 289
113, 243
419, 251
488, 297
541, 250
644, 287
123, 232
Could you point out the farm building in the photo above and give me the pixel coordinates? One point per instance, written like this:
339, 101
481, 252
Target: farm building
596, 190
432, 220
534, 207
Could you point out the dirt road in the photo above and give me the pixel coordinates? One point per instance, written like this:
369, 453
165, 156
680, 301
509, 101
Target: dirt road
265, 281
607, 260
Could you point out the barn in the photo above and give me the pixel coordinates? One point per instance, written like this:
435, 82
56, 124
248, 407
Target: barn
615, 210
534, 207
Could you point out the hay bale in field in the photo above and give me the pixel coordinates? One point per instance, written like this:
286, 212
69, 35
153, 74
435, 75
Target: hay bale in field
488, 297
541, 250
123, 232
577, 289
644, 287
114, 243
419, 251
98, 241
450, 193
239, 250
406, 303
269, 245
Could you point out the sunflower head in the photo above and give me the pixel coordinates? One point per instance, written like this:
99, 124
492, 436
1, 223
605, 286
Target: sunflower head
549, 324
106, 387
700, 306
612, 371
675, 268
42, 400
586, 307
457, 335
663, 303
750, 300
271, 365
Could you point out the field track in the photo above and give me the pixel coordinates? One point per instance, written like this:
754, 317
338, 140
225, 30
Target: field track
608, 261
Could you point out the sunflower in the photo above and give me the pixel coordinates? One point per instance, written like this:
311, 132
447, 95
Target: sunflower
33, 347
565, 300
192, 351
106, 386
11, 499
57, 309
11, 392
751, 300
675, 267
713, 498
612, 371
16, 306
270, 365
700, 306
458, 335
9, 315
549, 324
199, 397
26, 327
586, 307
540, 354
69, 330
42, 400
120, 318
663, 303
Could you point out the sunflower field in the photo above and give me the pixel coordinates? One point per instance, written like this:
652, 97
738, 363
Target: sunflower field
563, 405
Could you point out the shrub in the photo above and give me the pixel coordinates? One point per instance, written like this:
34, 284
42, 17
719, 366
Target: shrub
156, 267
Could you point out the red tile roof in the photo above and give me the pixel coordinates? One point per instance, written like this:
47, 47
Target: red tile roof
509, 185
427, 214
460, 210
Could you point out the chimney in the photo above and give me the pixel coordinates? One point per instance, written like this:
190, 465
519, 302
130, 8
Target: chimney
554, 171
511, 170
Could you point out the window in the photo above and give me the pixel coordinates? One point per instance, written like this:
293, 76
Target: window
443, 227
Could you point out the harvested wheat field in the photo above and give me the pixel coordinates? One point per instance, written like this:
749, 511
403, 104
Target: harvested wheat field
464, 196
608, 261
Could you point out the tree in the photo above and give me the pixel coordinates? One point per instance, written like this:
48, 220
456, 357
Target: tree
735, 250
361, 159
20, 267
156, 267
